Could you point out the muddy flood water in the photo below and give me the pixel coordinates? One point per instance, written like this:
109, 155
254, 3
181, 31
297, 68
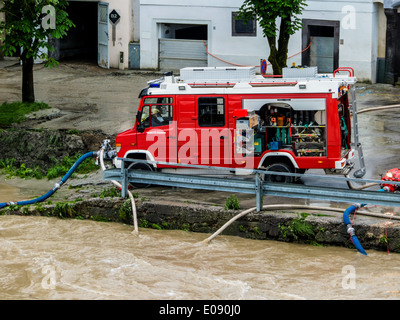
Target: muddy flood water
51, 258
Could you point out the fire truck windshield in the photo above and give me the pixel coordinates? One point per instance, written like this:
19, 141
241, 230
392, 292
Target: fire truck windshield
156, 112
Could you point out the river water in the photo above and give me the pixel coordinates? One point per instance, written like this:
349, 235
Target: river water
51, 258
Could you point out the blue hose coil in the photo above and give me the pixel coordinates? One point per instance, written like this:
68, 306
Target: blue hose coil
347, 222
56, 187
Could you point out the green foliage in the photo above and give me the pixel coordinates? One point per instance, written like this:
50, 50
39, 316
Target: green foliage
109, 192
267, 12
125, 212
298, 229
9, 168
62, 168
143, 223
232, 202
23, 28
99, 219
16, 112
64, 210
384, 240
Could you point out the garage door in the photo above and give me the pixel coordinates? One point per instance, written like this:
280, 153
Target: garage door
177, 53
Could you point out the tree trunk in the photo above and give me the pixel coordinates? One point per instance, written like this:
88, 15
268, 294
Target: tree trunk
278, 54
28, 93
273, 56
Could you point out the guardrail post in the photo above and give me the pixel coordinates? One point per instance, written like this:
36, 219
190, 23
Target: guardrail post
259, 192
124, 180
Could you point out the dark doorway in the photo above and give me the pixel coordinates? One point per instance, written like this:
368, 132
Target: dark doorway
324, 48
81, 41
184, 31
192, 33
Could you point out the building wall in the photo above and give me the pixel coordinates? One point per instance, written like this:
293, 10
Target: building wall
125, 32
216, 14
359, 31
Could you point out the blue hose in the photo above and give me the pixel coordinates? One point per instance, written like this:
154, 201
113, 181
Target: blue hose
350, 230
56, 186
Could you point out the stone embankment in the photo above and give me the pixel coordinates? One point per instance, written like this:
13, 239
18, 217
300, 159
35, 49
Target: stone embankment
322, 229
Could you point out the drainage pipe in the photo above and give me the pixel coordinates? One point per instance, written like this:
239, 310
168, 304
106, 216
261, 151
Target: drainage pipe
351, 186
394, 106
303, 207
350, 229
56, 186
118, 185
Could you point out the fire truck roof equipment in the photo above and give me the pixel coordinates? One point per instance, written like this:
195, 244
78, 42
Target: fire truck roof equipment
232, 80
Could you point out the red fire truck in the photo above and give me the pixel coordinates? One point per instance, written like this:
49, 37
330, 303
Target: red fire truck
234, 118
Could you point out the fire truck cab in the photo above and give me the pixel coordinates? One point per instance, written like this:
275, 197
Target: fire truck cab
232, 117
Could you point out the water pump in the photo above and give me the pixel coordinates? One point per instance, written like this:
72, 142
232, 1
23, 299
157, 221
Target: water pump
391, 175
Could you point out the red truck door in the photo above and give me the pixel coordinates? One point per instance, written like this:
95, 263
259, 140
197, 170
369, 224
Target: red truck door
186, 144
212, 131
157, 121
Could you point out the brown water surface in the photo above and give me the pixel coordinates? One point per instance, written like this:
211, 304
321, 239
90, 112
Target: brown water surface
51, 258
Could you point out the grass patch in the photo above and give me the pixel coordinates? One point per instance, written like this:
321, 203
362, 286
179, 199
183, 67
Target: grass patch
8, 167
62, 168
232, 203
15, 112
298, 229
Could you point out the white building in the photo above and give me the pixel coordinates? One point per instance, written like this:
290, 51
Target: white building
96, 37
171, 34
344, 33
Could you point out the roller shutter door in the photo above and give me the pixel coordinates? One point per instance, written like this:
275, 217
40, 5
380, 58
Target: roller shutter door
177, 53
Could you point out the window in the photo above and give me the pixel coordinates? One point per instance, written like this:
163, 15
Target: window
243, 28
211, 112
157, 112
103, 13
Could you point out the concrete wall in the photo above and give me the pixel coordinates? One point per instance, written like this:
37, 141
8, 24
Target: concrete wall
359, 31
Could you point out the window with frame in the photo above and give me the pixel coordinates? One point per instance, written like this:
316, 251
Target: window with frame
212, 112
241, 28
157, 112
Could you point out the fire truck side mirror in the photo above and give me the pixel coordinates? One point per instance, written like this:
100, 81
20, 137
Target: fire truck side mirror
140, 127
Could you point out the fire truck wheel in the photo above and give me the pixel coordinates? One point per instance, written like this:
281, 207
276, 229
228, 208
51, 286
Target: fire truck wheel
140, 166
278, 167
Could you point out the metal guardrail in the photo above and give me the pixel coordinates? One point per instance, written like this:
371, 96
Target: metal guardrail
252, 185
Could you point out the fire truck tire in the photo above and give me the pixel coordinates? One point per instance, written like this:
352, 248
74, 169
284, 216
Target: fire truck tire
140, 166
279, 167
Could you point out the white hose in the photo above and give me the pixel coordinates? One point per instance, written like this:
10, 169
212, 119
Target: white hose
118, 185
368, 185
378, 108
289, 206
